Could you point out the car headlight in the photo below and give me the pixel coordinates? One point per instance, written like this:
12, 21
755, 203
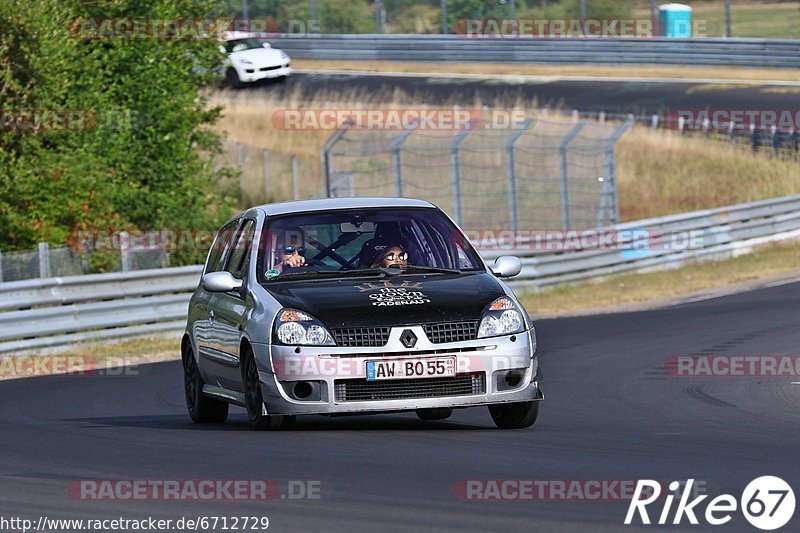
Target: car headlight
295, 327
501, 318
245, 62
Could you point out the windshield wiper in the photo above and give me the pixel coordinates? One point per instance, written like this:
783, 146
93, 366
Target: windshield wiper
329, 274
419, 268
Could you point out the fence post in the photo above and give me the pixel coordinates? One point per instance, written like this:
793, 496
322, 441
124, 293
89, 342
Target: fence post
455, 165
124, 251
610, 180
397, 170
325, 154
562, 154
512, 172
44, 260
295, 189
266, 174
240, 162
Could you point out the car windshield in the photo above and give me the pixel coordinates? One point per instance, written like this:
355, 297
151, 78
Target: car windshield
363, 242
237, 45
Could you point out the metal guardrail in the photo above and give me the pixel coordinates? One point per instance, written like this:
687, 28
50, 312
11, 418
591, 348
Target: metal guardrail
627, 51
45, 313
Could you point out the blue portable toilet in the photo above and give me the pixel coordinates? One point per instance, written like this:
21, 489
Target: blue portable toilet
675, 20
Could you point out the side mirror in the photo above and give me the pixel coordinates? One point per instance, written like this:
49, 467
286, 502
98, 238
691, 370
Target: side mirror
507, 266
222, 49
221, 282
266, 45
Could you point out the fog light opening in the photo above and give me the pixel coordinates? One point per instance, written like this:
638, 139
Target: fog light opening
513, 379
302, 390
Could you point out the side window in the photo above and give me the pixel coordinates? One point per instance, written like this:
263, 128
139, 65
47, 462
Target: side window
241, 251
220, 248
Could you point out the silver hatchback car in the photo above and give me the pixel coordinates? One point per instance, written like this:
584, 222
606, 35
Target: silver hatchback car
353, 306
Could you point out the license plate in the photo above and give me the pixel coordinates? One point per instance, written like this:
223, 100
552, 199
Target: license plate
438, 367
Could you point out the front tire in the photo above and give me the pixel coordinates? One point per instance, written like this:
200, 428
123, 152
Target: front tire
202, 409
232, 79
516, 415
254, 400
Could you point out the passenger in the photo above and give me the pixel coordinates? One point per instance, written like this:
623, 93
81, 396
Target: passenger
390, 256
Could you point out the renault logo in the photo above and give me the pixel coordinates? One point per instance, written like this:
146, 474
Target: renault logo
408, 338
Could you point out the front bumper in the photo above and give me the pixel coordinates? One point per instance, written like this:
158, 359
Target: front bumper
258, 74
327, 372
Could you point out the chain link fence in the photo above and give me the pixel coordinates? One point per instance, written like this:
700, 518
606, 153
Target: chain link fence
46, 261
266, 176
544, 174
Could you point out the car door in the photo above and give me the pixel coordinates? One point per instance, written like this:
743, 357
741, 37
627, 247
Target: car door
230, 308
201, 303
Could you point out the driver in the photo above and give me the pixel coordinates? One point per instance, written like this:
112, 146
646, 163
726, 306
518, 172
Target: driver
290, 249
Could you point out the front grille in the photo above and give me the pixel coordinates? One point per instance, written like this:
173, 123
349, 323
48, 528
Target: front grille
265, 69
451, 331
361, 390
349, 337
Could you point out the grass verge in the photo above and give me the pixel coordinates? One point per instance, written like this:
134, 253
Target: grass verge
659, 172
652, 289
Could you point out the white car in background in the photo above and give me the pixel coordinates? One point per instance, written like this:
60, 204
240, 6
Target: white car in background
251, 59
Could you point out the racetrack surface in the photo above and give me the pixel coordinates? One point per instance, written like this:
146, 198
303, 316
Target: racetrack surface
609, 96
612, 412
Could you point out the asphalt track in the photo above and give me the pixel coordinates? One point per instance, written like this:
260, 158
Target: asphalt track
636, 96
612, 412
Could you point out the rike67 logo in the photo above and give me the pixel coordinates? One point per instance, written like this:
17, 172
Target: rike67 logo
767, 503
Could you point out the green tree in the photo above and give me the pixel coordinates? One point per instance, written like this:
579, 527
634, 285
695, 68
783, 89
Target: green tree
140, 155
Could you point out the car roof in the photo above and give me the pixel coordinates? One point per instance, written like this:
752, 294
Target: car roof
325, 204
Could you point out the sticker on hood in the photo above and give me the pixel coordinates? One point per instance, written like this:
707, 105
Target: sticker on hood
388, 294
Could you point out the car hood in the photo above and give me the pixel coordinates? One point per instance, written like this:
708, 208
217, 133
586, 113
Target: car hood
259, 56
396, 301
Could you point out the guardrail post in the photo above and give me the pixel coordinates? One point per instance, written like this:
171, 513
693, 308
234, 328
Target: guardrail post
562, 154
378, 16
776, 139
124, 251
295, 186
240, 163
1, 266
325, 154
512, 172
610, 179
266, 174
397, 169
455, 165
44, 260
